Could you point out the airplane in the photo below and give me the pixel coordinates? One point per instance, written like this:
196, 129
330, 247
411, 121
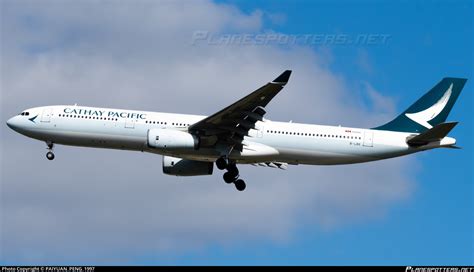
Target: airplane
239, 134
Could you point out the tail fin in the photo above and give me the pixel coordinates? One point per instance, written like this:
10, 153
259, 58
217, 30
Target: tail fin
430, 110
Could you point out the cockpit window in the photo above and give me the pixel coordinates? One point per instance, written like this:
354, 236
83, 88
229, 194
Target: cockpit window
25, 113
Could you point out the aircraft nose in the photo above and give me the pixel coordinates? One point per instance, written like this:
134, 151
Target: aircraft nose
13, 123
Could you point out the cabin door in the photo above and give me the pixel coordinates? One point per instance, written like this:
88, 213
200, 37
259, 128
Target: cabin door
368, 138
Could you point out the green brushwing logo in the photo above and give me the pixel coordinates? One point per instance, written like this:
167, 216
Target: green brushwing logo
32, 119
422, 117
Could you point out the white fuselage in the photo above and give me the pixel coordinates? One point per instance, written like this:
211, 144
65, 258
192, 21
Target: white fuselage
270, 141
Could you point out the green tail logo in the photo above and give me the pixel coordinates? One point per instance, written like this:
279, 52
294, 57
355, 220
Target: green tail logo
430, 110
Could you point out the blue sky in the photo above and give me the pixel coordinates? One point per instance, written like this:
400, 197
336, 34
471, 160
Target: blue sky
426, 220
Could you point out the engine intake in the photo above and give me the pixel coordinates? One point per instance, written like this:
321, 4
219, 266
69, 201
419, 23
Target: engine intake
182, 167
167, 139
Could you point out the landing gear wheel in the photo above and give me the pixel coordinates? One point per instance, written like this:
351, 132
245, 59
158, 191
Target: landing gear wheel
229, 177
50, 155
221, 163
232, 168
232, 174
240, 185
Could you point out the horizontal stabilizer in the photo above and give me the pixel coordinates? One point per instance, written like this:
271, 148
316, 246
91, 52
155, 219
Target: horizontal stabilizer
435, 134
453, 147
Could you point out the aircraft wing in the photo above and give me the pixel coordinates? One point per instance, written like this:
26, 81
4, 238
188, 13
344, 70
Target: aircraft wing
231, 124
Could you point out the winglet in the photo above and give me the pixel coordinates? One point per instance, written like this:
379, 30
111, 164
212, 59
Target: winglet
283, 78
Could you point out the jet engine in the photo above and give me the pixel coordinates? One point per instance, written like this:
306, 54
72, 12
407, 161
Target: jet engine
182, 167
168, 139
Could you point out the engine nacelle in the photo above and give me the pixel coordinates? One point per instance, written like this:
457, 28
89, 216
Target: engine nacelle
168, 139
181, 167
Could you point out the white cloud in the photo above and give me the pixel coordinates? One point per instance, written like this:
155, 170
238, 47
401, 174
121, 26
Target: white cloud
382, 105
139, 55
364, 62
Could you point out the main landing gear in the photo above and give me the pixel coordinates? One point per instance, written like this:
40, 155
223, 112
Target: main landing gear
232, 174
50, 154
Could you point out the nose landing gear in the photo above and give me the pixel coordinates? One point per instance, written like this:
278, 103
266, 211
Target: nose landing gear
232, 174
50, 154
